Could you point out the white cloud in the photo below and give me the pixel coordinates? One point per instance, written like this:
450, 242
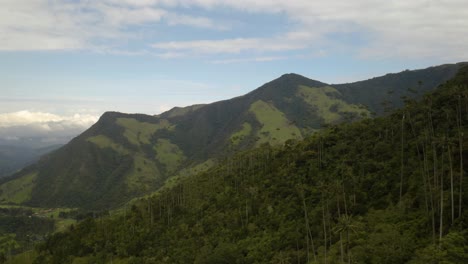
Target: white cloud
71, 25
164, 108
237, 45
174, 19
171, 55
254, 59
28, 124
27, 117
120, 16
417, 28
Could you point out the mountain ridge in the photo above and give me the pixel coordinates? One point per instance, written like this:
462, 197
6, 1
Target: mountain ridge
14, 158
379, 190
128, 155
424, 82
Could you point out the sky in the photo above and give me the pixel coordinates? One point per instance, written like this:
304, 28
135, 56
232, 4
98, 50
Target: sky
65, 62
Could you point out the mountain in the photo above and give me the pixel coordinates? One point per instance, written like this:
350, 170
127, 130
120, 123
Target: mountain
14, 158
129, 155
387, 91
385, 190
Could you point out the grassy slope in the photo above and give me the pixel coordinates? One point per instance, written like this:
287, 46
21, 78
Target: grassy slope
328, 106
240, 135
18, 190
139, 133
105, 142
276, 128
143, 174
180, 111
169, 154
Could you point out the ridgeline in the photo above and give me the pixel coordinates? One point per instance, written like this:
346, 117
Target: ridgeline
391, 189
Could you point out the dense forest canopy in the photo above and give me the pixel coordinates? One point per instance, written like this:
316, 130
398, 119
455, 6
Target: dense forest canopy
386, 190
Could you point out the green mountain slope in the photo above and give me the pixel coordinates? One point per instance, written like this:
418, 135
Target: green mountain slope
129, 155
384, 190
390, 88
14, 158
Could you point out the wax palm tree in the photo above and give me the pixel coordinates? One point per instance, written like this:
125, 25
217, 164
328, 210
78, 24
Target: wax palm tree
346, 224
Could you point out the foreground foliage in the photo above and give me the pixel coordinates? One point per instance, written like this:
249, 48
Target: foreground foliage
384, 190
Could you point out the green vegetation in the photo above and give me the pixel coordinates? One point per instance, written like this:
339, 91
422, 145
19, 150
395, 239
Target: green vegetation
169, 154
14, 158
276, 128
186, 172
7, 245
60, 216
240, 135
384, 190
199, 168
105, 142
389, 91
328, 105
18, 190
20, 228
143, 175
138, 132
180, 111
62, 225
98, 170
23, 258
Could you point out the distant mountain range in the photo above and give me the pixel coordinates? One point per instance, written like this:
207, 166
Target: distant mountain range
14, 158
124, 156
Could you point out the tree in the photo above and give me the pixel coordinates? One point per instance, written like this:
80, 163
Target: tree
7, 244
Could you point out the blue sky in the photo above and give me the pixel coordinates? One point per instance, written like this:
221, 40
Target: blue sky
68, 61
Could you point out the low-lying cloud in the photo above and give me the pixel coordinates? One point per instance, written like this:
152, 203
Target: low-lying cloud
44, 128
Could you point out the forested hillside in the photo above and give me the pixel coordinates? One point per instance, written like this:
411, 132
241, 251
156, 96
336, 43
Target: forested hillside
386, 190
124, 156
384, 93
14, 158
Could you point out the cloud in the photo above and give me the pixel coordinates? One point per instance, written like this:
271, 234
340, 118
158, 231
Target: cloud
380, 28
164, 108
171, 55
241, 60
416, 29
119, 17
26, 117
287, 42
47, 126
73, 25
174, 19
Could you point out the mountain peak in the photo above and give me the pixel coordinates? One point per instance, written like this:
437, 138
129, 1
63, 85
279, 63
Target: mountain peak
286, 85
294, 77
291, 75
297, 79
